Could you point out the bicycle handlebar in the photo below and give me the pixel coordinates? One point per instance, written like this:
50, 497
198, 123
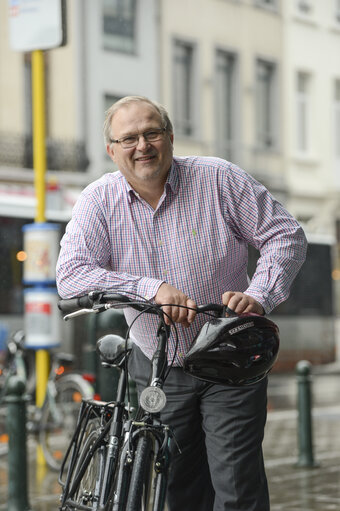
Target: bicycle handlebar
98, 301
89, 300
74, 304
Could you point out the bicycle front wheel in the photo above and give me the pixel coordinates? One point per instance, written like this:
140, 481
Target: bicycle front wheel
60, 414
141, 476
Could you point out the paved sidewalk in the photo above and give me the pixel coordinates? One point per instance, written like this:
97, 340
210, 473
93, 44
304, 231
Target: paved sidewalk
303, 489
291, 488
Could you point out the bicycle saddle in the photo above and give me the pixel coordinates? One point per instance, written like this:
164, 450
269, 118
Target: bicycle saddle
112, 349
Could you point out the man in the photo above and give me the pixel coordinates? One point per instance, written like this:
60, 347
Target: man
176, 230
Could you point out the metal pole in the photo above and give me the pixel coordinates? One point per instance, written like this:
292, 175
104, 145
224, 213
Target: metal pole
39, 130
304, 403
39, 163
17, 453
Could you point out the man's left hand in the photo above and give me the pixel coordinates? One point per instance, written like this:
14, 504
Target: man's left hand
240, 303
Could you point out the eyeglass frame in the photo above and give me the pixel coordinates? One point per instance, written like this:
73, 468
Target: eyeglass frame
121, 140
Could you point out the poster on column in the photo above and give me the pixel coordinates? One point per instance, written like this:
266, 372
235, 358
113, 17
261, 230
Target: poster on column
36, 24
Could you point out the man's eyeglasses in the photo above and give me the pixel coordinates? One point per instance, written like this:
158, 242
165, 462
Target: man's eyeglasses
130, 141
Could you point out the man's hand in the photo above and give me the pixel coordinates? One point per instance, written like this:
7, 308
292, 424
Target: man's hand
167, 294
240, 302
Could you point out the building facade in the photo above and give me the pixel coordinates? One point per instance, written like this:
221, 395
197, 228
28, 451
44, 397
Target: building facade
254, 81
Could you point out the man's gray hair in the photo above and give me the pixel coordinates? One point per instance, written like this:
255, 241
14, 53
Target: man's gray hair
127, 100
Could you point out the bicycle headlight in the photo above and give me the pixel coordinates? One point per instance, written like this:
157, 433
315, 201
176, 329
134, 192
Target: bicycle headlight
153, 399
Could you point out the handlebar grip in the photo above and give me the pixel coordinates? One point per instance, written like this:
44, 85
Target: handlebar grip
210, 307
74, 304
222, 310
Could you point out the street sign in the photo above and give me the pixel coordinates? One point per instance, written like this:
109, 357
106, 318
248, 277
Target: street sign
36, 24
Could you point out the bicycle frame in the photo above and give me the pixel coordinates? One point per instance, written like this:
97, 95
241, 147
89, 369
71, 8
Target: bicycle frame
115, 466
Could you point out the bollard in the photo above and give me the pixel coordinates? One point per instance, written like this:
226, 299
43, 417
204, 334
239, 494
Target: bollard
17, 449
305, 433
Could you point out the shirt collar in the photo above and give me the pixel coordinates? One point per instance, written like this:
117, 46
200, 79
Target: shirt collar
172, 182
173, 179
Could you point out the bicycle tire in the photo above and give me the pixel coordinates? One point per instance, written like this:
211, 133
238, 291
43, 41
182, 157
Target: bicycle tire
59, 417
85, 495
141, 475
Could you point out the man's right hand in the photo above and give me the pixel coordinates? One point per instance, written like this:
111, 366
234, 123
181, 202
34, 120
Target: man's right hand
167, 294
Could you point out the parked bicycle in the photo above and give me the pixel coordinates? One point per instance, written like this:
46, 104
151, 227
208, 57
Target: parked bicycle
53, 424
117, 462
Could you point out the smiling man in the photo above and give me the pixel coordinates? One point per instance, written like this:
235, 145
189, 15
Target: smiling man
176, 230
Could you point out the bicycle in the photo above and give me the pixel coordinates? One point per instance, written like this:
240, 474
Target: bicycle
114, 458
52, 424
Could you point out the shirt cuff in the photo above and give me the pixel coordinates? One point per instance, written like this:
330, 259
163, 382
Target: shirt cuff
148, 288
262, 297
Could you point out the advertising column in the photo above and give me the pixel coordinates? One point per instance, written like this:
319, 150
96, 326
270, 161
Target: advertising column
42, 319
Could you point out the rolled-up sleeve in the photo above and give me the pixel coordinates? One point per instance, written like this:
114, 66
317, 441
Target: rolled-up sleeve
259, 219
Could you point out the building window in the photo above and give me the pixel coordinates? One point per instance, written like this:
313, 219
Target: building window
184, 88
337, 118
336, 110
266, 104
303, 112
226, 122
304, 7
109, 100
28, 116
272, 4
337, 11
119, 25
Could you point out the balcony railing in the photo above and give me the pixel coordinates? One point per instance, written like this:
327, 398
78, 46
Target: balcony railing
68, 155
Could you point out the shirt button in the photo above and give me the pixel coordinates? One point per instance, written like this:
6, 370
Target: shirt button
160, 242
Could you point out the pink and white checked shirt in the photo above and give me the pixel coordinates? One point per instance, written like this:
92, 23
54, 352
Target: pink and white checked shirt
196, 240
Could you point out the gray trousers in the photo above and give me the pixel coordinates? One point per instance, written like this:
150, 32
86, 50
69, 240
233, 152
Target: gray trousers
219, 430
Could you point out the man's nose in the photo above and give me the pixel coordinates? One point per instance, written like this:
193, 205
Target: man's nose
142, 142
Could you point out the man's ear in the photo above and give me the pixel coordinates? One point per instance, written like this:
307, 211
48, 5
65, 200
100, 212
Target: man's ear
110, 151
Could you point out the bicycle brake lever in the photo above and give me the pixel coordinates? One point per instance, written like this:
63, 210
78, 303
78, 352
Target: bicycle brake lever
228, 312
80, 312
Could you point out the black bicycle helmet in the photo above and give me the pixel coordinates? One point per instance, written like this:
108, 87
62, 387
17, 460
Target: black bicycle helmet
234, 351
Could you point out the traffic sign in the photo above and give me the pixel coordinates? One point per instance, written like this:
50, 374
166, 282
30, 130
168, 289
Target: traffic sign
36, 24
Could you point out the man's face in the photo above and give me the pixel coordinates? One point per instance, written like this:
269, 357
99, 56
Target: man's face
148, 161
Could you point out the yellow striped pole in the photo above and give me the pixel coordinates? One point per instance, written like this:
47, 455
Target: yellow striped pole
39, 163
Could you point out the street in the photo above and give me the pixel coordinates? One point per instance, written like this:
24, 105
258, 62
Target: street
291, 488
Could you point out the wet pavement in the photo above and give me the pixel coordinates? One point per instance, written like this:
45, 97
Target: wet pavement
292, 488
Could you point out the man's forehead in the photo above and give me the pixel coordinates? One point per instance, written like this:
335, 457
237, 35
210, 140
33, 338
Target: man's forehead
137, 108
135, 114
